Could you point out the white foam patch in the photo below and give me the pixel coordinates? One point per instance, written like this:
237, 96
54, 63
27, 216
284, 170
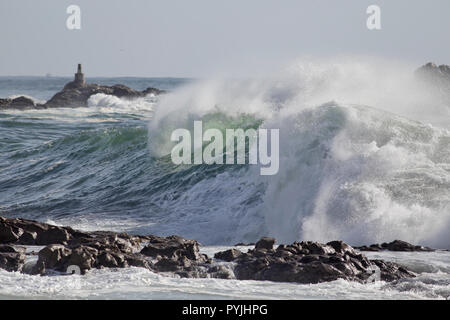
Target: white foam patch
112, 104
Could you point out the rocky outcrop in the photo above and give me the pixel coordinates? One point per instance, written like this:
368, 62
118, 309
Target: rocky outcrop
265, 243
66, 247
66, 250
309, 262
76, 95
12, 258
228, 255
20, 103
396, 245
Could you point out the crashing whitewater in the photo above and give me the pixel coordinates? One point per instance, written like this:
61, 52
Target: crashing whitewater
364, 156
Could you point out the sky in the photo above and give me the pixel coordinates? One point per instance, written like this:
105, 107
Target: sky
201, 38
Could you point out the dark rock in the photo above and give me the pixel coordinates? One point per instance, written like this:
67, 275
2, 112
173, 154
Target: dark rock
173, 246
54, 256
341, 247
74, 96
12, 258
9, 234
265, 243
4, 248
106, 259
312, 262
391, 271
153, 91
137, 260
53, 235
83, 257
316, 248
220, 272
228, 255
396, 245
20, 103
27, 238
28, 225
166, 264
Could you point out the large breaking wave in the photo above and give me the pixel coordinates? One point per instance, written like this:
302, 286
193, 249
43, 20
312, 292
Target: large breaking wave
364, 157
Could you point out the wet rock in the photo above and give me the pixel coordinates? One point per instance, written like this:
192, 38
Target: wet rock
173, 246
228, 255
20, 103
54, 256
176, 254
312, 262
391, 271
341, 247
9, 234
153, 91
53, 235
107, 260
265, 243
137, 260
396, 245
220, 272
74, 95
27, 238
167, 264
12, 258
84, 257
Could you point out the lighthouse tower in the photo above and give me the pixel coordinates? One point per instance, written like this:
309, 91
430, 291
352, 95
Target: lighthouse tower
79, 77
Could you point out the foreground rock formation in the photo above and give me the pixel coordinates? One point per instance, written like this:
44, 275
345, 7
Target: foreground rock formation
65, 250
308, 262
76, 94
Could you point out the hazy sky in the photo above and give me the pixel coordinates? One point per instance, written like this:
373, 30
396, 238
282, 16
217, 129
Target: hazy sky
198, 38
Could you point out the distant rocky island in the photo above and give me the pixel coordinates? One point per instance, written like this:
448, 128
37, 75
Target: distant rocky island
76, 94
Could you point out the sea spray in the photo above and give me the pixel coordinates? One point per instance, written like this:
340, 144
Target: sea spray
352, 165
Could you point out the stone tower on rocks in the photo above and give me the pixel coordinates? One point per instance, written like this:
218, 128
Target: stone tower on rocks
79, 77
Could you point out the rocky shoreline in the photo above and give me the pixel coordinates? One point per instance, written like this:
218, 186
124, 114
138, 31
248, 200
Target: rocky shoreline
63, 250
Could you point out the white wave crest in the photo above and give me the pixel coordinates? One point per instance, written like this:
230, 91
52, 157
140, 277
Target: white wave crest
347, 171
111, 104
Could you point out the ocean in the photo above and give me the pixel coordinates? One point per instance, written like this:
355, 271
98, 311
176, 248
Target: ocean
364, 158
